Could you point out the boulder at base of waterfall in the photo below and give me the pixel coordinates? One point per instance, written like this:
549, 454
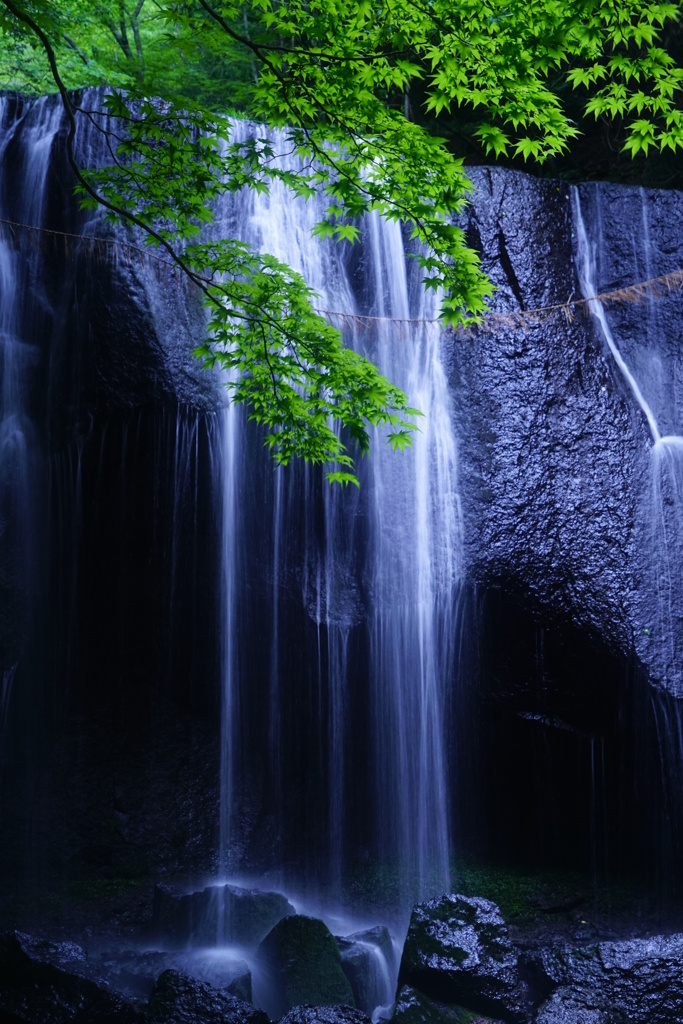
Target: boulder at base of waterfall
457, 952
177, 999
368, 961
301, 959
413, 1007
635, 981
134, 973
324, 1015
568, 1007
217, 914
45, 982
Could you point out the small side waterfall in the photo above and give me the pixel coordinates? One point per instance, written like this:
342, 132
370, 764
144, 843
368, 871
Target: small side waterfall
22, 297
586, 260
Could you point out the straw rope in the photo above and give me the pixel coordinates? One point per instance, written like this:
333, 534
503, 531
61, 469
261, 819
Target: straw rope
99, 248
94, 246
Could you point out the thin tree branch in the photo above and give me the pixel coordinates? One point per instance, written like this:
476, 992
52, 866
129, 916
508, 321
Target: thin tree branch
120, 38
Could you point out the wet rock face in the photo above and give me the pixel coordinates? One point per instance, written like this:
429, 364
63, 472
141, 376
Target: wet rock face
325, 1015
177, 999
637, 238
639, 981
551, 449
413, 1007
457, 952
45, 982
459, 966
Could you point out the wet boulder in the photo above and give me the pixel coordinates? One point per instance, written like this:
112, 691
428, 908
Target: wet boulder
301, 959
177, 999
325, 1015
413, 1007
368, 961
457, 952
566, 1006
217, 914
635, 981
44, 982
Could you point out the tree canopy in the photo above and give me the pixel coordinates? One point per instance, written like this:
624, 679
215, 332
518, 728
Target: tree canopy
360, 88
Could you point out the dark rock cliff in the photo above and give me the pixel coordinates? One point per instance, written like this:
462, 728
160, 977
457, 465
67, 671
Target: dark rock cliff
556, 455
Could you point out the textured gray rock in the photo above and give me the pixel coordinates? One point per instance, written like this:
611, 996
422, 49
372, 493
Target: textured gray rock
552, 451
177, 999
457, 951
638, 981
368, 961
325, 1015
301, 959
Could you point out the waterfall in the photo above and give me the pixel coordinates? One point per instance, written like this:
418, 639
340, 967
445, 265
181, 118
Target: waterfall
662, 613
25, 312
377, 573
333, 612
21, 299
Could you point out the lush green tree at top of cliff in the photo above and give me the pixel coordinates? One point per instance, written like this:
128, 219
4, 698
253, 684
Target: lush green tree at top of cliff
336, 77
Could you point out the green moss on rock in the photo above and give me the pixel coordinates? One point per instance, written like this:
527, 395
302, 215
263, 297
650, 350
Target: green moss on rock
302, 959
413, 1007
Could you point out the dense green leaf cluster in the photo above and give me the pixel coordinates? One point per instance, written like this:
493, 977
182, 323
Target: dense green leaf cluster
336, 77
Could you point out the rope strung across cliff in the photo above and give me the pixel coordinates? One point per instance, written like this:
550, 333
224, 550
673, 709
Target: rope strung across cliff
634, 294
73, 244
111, 248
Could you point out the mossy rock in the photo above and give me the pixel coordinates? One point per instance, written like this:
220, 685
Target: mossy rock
302, 960
413, 1007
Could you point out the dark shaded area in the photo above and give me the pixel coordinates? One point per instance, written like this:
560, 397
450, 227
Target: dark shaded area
578, 759
110, 760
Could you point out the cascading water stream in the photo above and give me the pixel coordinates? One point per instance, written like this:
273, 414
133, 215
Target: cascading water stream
587, 277
21, 292
378, 573
337, 612
417, 541
337, 608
